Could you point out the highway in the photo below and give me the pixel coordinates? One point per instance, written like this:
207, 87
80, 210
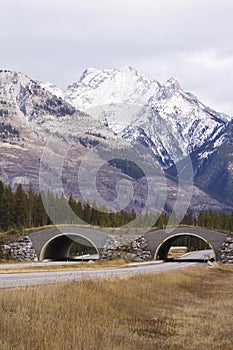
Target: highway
198, 255
12, 280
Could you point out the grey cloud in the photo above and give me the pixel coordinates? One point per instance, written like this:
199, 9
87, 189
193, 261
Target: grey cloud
56, 40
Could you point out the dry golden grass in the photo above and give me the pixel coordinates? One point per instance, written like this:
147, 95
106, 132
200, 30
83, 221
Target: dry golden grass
188, 309
176, 253
98, 264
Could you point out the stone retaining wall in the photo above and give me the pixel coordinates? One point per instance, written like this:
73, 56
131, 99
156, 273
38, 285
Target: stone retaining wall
20, 251
225, 254
129, 248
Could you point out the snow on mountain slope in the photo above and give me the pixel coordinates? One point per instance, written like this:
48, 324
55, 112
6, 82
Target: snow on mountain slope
171, 122
53, 89
31, 106
30, 116
124, 85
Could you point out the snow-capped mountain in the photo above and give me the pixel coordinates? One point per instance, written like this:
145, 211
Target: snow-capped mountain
29, 117
112, 86
53, 89
171, 123
105, 109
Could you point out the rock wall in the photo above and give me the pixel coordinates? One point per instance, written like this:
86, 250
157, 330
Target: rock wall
129, 248
20, 251
225, 254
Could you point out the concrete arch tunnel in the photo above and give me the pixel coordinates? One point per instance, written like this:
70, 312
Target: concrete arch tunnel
56, 243
59, 246
159, 242
164, 247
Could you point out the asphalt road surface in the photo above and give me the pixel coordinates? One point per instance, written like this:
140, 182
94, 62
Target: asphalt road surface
13, 280
198, 255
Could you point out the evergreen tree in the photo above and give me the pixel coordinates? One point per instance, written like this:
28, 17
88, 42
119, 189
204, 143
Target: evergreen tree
20, 207
2, 189
7, 215
41, 216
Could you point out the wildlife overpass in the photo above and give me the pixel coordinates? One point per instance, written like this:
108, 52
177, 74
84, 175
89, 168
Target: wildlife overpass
159, 242
56, 243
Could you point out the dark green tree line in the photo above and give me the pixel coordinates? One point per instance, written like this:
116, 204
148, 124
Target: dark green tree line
24, 209
99, 217
21, 209
212, 219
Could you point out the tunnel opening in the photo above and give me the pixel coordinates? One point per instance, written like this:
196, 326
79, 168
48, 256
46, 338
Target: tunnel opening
69, 247
185, 247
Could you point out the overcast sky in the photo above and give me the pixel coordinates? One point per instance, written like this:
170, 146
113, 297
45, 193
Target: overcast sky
190, 40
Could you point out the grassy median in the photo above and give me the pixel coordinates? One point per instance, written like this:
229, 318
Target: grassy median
187, 309
98, 264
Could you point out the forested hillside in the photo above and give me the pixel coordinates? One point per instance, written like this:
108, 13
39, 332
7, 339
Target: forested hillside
22, 209
25, 209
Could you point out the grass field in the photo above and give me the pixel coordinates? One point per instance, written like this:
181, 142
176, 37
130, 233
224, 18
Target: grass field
188, 309
98, 264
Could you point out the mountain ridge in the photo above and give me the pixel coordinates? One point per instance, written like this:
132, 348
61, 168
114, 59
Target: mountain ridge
37, 115
171, 122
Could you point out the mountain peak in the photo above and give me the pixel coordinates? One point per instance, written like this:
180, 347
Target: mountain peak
14, 76
172, 124
173, 83
93, 73
127, 69
122, 85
